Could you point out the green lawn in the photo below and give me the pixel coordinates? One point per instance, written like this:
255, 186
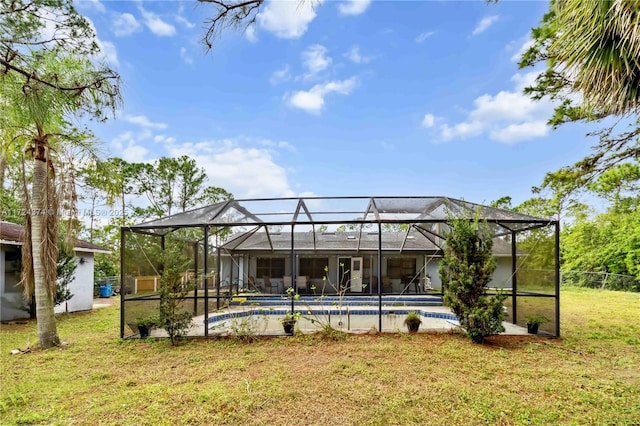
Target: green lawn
590, 376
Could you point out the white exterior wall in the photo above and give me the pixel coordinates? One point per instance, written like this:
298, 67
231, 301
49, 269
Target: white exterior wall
433, 263
81, 287
502, 274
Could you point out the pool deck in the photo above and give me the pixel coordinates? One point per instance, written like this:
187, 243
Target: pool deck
430, 323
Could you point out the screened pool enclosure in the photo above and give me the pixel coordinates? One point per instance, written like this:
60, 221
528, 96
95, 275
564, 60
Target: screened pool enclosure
358, 260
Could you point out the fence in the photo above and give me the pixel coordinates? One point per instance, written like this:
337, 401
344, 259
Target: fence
601, 280
114, 281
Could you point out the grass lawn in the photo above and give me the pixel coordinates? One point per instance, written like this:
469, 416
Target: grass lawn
590, 376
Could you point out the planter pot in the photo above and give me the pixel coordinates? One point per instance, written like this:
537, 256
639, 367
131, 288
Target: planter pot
144, 331
289, 327
532, 328
477, 338
413, 327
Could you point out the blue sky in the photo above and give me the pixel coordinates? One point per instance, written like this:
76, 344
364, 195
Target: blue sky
347, 98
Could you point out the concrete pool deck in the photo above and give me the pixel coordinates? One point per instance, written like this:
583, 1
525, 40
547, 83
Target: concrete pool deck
265, 320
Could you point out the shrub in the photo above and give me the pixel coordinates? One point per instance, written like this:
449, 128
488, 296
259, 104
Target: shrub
466, 270
173, 317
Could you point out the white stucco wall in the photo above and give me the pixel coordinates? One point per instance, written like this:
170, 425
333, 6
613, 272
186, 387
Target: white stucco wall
81, 287
502, 274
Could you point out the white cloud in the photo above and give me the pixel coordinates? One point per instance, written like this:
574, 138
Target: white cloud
279, 144
91, 5
525, 80
315, 60
246, 171
247, 167
125, 145
143, 121
164, 139
354, 56
287, 18
280, 76
250, 33
461, 130
508, 116
428, 121
354, 7
125, 24
504, 106
517, 132
185, 56
528, 42
108, 52
156, 25
484, 24
184, 21
423, 36
312, 101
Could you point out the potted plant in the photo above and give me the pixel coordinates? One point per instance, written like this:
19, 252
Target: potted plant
289, 322
146, 324
412, 321
534, 321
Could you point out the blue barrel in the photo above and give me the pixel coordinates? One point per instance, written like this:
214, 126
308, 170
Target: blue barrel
105, 290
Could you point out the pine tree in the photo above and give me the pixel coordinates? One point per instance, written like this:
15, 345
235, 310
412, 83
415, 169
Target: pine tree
466, 270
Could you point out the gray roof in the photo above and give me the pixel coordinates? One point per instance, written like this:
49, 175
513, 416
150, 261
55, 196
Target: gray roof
412, 241
12, 234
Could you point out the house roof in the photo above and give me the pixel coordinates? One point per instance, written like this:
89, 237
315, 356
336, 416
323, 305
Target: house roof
12, 233
409, 241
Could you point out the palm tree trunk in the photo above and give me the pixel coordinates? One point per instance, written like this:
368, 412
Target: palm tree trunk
47, 330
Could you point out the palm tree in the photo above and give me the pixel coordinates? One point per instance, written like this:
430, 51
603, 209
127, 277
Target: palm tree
40, 109
599, 43
592, 50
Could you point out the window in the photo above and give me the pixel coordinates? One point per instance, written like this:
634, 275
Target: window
399, 267
313, 266
13, 269
272, 267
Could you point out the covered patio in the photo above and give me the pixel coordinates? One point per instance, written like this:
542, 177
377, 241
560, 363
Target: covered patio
341, 253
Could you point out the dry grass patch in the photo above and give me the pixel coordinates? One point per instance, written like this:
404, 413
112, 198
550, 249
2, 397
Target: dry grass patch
588, 377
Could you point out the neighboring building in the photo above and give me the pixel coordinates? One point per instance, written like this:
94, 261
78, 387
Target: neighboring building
12, 304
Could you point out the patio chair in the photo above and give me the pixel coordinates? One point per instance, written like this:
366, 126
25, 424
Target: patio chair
386, 285
268, 286
251, 284
301, 283
286, 282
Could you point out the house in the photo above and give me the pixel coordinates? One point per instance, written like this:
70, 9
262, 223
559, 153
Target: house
12, 304
409, 260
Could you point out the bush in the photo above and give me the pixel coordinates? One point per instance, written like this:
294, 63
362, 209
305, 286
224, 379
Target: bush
466, 270
173, 318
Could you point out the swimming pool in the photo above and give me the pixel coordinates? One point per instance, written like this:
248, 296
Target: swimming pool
266, 321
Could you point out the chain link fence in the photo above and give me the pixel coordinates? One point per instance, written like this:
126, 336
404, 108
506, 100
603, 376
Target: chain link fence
114, 281
601, 280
